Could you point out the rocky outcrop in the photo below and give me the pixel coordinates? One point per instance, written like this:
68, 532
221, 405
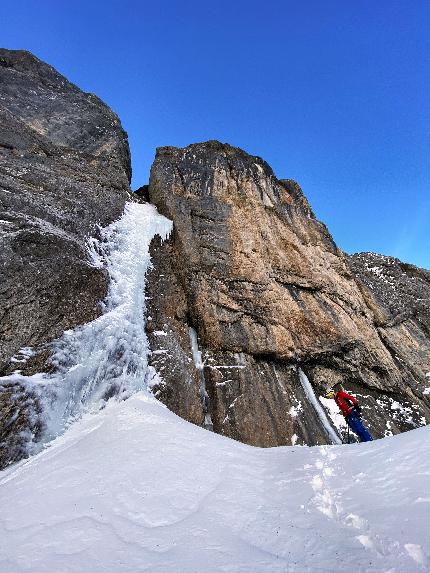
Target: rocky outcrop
250, 281
259, 278
64, 169
401, 293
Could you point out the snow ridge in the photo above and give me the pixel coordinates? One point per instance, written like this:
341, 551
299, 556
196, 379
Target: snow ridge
135, 488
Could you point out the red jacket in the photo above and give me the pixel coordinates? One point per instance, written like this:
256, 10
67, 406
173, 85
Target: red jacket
344, 400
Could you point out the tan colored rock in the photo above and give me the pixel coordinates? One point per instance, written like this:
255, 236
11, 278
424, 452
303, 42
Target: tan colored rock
258, 276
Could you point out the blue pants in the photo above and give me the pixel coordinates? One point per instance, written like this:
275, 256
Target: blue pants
358, 427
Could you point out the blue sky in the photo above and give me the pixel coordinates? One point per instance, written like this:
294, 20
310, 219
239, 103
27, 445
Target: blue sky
334, 94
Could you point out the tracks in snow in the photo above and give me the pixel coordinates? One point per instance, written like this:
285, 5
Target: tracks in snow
328, 499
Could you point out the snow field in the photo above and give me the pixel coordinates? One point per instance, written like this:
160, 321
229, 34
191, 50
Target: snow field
134, 488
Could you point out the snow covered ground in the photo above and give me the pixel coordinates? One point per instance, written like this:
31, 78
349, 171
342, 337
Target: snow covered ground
134, 488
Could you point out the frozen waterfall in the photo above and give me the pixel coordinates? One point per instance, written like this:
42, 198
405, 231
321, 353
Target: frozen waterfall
319, 410
198, 362
108, 356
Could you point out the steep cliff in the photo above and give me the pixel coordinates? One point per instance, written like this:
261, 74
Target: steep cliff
64, 169
259, 278
253, 311
402, 292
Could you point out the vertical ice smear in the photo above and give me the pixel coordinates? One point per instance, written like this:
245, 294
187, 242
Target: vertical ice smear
334, 413
197, 356
310, 394
108, 356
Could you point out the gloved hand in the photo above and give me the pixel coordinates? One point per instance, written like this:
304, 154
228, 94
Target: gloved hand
358, 410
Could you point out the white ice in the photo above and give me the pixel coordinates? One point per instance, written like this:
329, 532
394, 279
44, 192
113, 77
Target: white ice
108, 356
320, 412
336, 417
427, 389
199, 364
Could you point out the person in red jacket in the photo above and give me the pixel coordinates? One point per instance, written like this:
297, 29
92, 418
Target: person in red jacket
350, 408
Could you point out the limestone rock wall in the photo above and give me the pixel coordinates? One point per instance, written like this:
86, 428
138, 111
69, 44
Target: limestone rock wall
248, 267
402, 292
266, 288
64, 169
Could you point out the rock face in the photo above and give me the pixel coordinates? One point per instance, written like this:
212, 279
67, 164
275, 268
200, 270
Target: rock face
64, 169
402, 292
249, 300
259, 278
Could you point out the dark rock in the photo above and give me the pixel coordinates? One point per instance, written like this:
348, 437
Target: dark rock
143, 193
36, 95
64, 170
402, 292
401, 289
21, 423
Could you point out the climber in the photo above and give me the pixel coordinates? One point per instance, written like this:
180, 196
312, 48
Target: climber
350, 408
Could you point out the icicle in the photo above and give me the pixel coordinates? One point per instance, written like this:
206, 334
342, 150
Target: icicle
310, 394
197, 356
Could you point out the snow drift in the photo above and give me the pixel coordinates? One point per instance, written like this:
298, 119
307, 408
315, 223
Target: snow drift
135, 488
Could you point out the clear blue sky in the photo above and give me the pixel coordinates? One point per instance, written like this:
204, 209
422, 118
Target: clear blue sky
332, 93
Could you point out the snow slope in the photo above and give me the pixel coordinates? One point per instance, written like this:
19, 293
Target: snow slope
134, 488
